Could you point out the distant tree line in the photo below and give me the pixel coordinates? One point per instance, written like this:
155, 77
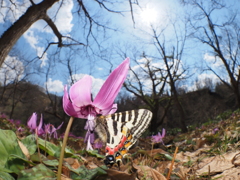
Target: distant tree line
21, 100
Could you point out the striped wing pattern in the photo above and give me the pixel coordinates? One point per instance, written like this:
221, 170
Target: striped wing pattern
120, 131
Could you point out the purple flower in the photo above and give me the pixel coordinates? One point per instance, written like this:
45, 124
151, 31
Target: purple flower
17, 122
98, 145
215, 130
79, 103
3, 115
20, 129
11, 121
50, 129
32, 124
158, 138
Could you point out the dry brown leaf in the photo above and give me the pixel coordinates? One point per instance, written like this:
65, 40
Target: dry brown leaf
200, 142
191, 156
63, 177
181, 172
148, 173
218, 164
72, 162
119, 175
230, 174
236, 159
24, 149
153, 152
91, 165
163, 166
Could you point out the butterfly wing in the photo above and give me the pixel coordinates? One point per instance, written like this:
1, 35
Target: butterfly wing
121, 130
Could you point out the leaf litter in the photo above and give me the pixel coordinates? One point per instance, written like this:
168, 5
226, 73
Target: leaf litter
209, 152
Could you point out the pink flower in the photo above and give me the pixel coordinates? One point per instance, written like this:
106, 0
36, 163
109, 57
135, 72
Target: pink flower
98, 145
158, 138
32, 124
79, 103
50, 129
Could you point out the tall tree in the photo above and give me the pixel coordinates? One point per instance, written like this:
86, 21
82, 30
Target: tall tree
216, 24
172, 58
39, 11
148, 83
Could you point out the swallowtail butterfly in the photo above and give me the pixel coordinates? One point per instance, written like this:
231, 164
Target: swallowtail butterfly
120, 131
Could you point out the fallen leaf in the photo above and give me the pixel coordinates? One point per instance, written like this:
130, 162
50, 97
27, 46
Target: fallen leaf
148, 173
230, 174
24, 149
119, 175
218, 164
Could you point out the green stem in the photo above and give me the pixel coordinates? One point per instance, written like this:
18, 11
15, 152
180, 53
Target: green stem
63, 148
39, 155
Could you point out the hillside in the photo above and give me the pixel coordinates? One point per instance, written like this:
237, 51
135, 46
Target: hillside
208, 152
21, 100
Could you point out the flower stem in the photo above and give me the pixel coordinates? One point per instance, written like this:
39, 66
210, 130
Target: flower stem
63, 148
39, 155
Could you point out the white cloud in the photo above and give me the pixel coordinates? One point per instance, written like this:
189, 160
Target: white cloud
204, 80
11, 70
33, 40
64, 15
61, 14
13, 10
96, 82
143, 75
212, 60
54, 86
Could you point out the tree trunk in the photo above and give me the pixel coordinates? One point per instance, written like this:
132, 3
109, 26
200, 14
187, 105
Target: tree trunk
155, 119
12, 34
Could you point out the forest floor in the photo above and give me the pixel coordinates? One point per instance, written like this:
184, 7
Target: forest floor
207, 152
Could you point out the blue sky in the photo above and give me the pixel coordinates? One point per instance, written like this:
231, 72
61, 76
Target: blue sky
155, 12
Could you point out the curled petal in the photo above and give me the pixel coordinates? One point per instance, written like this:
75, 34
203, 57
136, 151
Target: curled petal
80, 92
89, 145
111, 110
111, 87
39, 128
90, 124
68, 106
87, 136
163, 133
47, 128
98, 145
32, 122
59, 126
92, 138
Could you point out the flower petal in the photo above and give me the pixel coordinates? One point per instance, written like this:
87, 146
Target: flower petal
89, 146
32, 122
68, 107
109, 110
163, 133
111, 86
80, 92
90, 124
59, 126
39, 128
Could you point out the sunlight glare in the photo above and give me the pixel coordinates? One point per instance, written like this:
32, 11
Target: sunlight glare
149, 15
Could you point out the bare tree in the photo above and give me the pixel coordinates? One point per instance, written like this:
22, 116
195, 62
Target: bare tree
148, 84
172, 56
164, 69
217, 26
35, 12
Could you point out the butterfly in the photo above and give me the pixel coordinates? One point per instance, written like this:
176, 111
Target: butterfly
120, 131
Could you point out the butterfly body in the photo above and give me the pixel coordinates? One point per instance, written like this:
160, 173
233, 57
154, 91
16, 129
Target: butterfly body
120, 131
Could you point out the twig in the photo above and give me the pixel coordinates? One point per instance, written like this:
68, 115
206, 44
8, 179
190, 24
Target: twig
170, 169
